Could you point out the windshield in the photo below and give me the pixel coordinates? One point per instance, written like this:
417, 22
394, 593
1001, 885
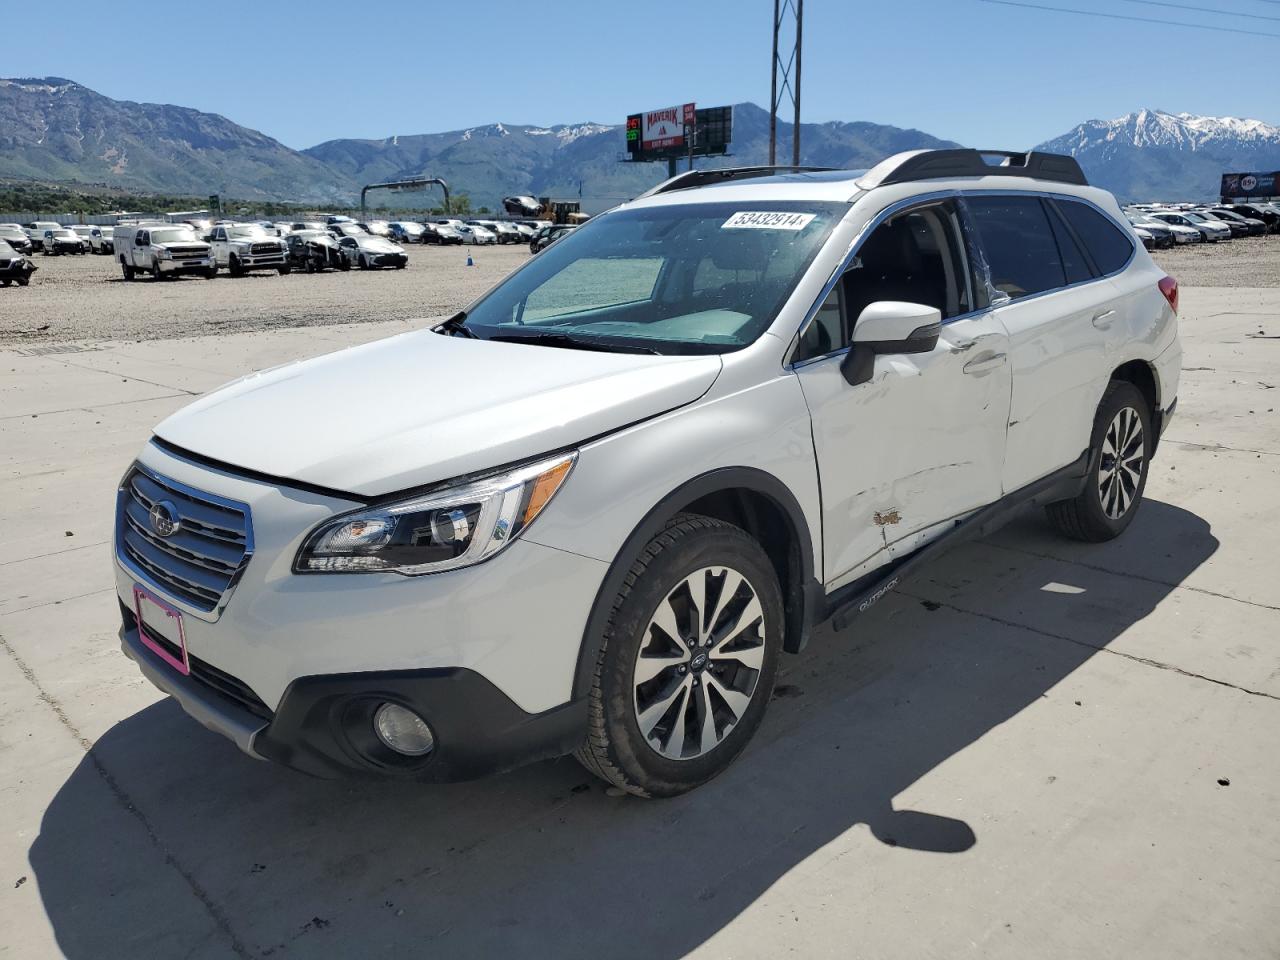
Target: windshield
11, 232
61, 233
176, 235
250, 231
698, 278
107, 231
1194, 217
7, 251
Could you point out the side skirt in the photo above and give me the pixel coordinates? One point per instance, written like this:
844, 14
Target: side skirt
843, 605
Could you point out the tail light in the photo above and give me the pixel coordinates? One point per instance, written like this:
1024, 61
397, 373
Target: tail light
1169, 287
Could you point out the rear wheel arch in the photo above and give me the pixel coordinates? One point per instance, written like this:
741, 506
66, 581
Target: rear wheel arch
748, 498
1142, 375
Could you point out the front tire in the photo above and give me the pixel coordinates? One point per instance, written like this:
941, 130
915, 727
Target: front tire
688, 659
1120, 455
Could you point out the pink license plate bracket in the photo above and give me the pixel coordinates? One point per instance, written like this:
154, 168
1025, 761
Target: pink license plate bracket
160, 630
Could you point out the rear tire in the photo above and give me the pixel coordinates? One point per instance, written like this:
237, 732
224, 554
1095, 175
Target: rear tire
674, 699
1119, 457
127, 270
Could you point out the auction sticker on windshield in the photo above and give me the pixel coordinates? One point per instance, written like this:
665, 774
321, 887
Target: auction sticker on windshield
765, 220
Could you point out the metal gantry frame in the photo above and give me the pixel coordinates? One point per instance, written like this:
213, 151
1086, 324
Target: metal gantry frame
789, 74
411, 184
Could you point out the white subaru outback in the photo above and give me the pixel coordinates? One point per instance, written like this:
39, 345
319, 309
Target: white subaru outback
590, 513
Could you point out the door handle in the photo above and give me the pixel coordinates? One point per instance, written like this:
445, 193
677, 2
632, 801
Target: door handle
1103, 320
985, 364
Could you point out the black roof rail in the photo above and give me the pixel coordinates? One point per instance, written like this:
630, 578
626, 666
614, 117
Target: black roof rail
964, 162
703, 178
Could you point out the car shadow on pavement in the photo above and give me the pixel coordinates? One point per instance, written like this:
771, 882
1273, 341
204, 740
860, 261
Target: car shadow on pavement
167, 841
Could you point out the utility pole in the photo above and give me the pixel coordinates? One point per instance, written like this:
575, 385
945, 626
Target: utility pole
786, 76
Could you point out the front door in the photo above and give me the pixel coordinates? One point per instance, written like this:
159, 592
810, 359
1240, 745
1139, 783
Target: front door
922, 443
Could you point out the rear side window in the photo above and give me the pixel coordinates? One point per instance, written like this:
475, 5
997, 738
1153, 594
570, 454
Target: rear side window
1108, 247
1074, 263
1020, 246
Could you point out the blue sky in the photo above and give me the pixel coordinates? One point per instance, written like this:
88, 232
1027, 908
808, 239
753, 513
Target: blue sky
985, 74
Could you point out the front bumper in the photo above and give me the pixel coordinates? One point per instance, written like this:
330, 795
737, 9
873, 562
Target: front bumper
261, 261
17, 270
200, 265
322, 725
506, 633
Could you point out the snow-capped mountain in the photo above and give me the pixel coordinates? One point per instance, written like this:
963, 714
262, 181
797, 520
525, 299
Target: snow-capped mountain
1153, 154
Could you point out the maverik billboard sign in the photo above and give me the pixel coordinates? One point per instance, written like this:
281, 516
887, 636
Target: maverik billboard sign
674, 132
665, 127
1250, 185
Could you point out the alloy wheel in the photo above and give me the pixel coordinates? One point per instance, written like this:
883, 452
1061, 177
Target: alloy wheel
699, 663
1122, 462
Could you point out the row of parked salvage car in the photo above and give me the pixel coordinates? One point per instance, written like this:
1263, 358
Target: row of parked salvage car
1162, 225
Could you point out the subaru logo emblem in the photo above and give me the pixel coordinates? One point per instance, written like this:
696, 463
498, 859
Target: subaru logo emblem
164, 518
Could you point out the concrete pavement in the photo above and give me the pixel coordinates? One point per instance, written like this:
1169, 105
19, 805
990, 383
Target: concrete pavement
1037, 749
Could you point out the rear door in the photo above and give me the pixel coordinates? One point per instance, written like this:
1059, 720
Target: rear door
1059, 314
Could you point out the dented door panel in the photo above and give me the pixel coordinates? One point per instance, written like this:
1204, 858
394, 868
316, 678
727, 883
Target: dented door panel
920, 443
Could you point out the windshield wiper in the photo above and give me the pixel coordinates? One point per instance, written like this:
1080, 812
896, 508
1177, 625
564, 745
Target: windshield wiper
575, 342
457, 325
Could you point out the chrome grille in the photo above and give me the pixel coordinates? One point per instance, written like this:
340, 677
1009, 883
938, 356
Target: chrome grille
262, 248
201, 561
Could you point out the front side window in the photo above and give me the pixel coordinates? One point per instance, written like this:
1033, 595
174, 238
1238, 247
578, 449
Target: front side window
688, 278
916, 256
1019, 243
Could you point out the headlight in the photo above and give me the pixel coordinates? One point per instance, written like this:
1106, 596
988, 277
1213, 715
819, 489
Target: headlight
163, 254
440, 531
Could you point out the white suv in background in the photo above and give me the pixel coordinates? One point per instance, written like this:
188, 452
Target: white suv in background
590, 513
242, 247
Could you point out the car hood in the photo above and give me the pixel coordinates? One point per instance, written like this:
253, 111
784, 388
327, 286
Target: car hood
420, 408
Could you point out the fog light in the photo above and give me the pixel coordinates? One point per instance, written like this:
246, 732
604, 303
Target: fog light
403, 730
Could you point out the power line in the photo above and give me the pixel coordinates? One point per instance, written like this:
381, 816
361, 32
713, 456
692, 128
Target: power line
1186, 6
1121, 16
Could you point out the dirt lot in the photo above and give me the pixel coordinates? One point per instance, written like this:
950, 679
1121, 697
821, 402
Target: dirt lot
1251, 262
85, 298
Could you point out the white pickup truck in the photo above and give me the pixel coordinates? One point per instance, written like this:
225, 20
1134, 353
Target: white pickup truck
163, 250
241, 247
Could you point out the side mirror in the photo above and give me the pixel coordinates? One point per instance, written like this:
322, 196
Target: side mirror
888, 327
